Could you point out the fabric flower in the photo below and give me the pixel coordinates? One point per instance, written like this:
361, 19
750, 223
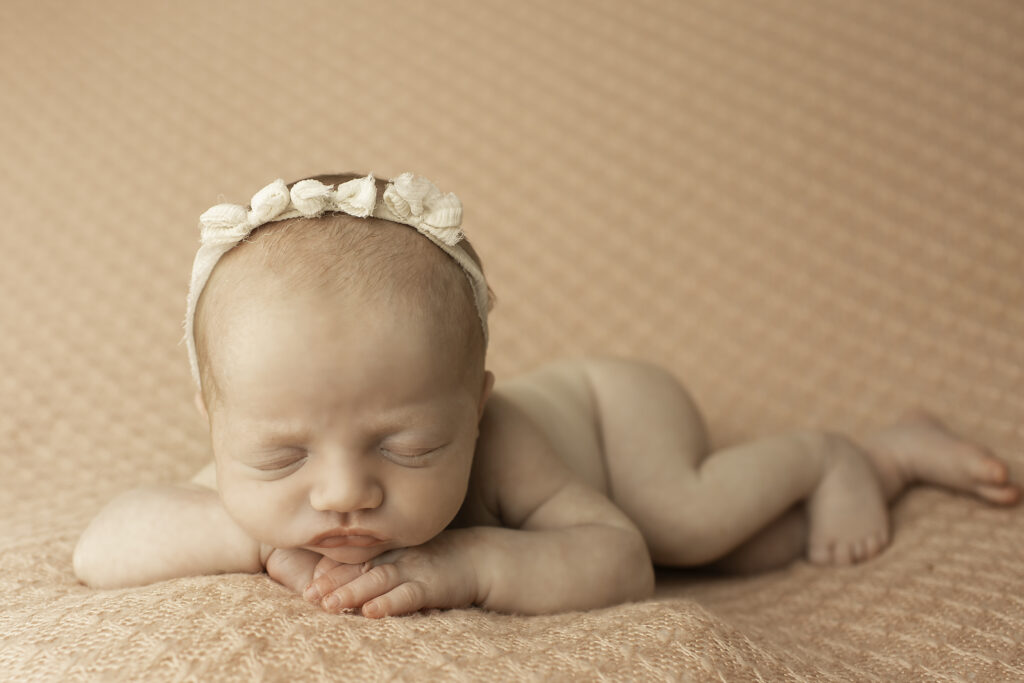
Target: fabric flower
357, 197
311, 197
417, 201
220, 223
268, 203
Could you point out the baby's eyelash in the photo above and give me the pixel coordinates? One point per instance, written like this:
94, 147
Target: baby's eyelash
408, 458
280, 464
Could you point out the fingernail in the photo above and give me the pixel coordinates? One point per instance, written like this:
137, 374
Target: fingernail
312, 593
332, 602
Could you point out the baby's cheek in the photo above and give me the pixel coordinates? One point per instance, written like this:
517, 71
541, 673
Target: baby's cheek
428, 512
253, 508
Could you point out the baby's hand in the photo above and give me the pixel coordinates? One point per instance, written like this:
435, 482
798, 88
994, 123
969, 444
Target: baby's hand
291, 567
436, 574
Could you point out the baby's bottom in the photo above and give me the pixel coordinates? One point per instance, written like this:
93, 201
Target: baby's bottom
763, 503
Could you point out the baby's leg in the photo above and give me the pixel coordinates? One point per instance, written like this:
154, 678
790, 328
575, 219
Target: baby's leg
694, 509
916, 449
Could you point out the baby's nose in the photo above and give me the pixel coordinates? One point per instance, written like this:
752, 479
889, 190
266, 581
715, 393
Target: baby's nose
345, 488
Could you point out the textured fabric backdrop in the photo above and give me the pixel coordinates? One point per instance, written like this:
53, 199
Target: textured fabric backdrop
810, 210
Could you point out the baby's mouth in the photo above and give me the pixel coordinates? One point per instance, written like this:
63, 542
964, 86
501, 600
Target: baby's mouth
337, 538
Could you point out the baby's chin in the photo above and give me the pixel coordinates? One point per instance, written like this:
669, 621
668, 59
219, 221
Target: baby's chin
351, 554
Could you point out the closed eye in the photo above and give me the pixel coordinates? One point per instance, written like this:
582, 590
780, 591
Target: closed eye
281, 464
409, 456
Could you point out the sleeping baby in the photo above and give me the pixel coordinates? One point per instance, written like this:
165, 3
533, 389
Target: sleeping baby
365, 457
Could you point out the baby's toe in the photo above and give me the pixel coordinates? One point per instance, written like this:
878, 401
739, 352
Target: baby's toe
1003, 495
872, 545
843, 553
819, 553
981, 464
859, 550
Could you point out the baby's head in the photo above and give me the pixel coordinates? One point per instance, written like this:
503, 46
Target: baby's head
341, 363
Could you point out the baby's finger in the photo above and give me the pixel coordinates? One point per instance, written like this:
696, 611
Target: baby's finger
324, 565
407, 598
373, 583
331, 580
291, 567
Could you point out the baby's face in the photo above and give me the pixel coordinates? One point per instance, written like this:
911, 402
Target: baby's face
343, 427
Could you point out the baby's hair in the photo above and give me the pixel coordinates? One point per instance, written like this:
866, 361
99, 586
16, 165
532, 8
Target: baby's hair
337, 252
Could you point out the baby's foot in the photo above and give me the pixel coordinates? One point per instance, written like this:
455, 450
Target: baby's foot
849, 521
919, 448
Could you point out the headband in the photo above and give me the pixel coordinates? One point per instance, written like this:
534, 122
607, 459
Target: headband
408, 199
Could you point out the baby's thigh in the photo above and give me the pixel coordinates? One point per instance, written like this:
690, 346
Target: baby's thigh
651, 428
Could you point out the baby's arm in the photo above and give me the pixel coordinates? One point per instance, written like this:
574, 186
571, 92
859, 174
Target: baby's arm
568, 547
564, 546
159, 532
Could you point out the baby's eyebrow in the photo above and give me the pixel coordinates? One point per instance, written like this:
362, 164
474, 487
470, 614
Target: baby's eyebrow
279, 435
276, 435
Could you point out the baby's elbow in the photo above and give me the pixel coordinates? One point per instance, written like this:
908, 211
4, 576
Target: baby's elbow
636, 572
646, 591
87, 568
92, 561
642, 572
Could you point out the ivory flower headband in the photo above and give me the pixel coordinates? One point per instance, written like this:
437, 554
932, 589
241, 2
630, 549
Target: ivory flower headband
408, 199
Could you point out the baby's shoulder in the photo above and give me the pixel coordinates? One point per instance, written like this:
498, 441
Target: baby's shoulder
507, 428
513, 463
540, 410
538, 430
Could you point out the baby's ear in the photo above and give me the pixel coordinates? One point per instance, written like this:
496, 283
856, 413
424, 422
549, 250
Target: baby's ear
485, 393
201, 406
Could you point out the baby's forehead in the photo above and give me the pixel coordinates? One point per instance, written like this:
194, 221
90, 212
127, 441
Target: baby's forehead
342, 275
270, 345
342, 263
327, 278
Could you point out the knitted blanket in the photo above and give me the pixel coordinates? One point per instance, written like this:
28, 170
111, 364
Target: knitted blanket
811, 211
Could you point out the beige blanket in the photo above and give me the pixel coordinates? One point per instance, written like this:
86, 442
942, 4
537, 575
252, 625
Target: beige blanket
811, 211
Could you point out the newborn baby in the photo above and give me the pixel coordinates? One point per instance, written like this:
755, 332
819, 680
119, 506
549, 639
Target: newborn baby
364, 456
